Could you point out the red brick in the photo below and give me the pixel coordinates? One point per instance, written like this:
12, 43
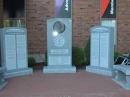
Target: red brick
123, 26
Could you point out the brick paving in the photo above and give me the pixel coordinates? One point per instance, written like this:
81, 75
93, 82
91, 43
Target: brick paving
80, 84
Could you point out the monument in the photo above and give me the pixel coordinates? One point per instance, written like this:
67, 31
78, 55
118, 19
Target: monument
14, 51
59, 39
102, 50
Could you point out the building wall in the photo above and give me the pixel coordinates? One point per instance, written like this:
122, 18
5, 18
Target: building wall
1, 12
38, 11
86, 13
123, 26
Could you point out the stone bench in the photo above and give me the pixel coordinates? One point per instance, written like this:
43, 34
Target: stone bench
122, 75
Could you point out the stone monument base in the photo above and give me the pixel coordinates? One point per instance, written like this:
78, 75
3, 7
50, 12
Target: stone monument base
99, 70
3, 85
18, 72
122, 75
2, 79
59, 69
122, 84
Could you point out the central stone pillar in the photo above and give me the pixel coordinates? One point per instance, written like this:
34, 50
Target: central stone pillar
59, 39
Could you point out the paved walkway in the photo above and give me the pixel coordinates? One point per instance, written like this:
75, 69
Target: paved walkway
80, 84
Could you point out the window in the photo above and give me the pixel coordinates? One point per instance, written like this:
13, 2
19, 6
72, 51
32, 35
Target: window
14, 8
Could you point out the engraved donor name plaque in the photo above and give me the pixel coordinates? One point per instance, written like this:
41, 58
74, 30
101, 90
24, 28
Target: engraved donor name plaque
14, 49
102, 50
59, 46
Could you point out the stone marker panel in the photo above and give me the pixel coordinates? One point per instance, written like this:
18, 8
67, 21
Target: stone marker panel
102, 50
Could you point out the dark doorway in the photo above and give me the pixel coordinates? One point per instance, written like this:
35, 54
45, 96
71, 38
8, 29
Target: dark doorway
14, 8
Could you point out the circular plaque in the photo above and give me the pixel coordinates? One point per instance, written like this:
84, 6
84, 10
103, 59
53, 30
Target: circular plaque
59, 27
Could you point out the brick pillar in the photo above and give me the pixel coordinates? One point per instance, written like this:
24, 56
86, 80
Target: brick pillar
123, 25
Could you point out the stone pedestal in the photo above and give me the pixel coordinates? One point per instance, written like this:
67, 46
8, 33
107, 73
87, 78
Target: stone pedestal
18, 72
102, 50
59, 43
59, 69
99, 70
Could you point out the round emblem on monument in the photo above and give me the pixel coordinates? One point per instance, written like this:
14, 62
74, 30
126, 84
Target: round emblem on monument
59, 41
59, 27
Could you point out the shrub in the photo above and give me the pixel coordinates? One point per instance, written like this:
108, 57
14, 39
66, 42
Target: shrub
87, 53
117, 54
77, 56
31, 61
46, 58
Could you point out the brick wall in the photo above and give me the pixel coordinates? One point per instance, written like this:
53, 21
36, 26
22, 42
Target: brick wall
123, 25
1, 11
37, 12
85, 14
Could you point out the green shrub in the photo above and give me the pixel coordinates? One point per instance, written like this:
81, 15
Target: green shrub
117, 54
46, 58
87, 53
31, 61
77, 56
